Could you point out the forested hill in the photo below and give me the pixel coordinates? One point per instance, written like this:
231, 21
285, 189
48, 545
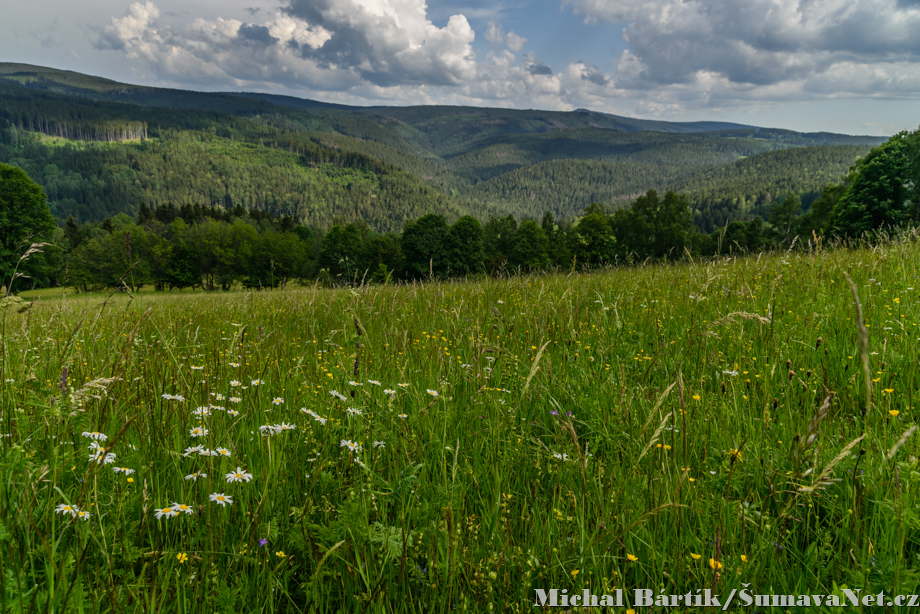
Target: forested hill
99, 148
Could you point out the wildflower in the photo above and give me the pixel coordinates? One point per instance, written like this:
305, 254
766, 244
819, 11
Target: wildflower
284, 426
182, 557
403, 385
277, 401
234, 383
67, 509
103, 458
716, 565
373, 381
262, 542
894, 413
256, 382
889, 390
194, 368
193, 450
562, 457
734, 455
130, 480
575, 573
347, 443
95, 435
696, 556
198, 432
181, 507
380, 444
731, 373
233, 412
280, 554
218, 396
696, 397
194, 476
202, 412
168, 512
353, 411
744, 559
234, 364
124, 470
221, 499
403, 416
235, 399
338, 395
239, 475
632, 557
82, 515
354, 383
389, 391
433, 393
269, 429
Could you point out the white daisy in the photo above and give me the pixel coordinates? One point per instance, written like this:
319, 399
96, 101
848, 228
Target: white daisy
347, 443
168, 512
198, 431
353, 411
95, 435
433, 393
124, 470
277, 401
67, 509
221, 499
239, 475
194, 476
181, 507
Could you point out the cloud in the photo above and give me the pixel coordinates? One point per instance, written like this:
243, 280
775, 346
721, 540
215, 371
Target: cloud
809, 48
376, 51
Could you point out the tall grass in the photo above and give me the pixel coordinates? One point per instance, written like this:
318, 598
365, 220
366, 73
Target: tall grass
699, 425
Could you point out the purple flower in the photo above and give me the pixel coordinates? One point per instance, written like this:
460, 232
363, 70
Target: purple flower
262, 542
554, 412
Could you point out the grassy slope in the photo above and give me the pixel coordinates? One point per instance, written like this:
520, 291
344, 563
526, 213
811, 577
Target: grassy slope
606, 459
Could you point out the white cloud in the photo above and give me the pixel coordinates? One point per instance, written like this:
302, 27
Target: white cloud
806, 48
682, 54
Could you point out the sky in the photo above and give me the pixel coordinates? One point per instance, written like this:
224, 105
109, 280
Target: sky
849, 66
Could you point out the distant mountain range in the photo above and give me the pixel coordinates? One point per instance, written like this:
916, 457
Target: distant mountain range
100, 148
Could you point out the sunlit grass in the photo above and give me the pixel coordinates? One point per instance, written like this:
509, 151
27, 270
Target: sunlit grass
655, 427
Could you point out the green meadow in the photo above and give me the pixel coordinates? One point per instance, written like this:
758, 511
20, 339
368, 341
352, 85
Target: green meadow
446, 447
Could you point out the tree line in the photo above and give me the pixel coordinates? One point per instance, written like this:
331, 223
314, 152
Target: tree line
218, 248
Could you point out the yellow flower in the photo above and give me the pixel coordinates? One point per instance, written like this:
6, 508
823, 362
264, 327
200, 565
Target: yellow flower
734, 454
894, 413
696, 556
632, 557
575, 572
182, 557
743, 559
630, 611
889, 390
696, 397
130, 480
280, 554
715, 564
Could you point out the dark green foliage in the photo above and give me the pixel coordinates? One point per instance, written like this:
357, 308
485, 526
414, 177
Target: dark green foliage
465, 246
424, 245
498, 237
654, 227
593, 241
341, 254
878, 191
783, 215
24, 219
529, 247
